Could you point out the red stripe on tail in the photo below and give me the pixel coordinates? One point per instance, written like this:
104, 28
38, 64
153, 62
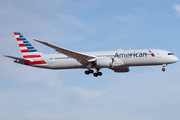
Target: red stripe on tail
18, 39
22, 45
26, 50
15, 33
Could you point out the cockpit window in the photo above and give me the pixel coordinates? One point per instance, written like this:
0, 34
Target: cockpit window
170, 54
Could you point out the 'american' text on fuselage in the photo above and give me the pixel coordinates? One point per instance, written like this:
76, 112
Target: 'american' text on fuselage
130, 55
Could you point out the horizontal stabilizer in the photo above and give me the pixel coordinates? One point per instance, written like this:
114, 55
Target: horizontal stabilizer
16, 58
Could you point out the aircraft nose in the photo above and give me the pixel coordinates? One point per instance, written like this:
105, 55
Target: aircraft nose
174, 59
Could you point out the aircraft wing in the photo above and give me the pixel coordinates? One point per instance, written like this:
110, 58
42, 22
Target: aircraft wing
16, 58
84, 59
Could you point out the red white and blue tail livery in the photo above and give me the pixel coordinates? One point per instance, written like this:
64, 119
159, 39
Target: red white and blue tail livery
118, 60
28, 51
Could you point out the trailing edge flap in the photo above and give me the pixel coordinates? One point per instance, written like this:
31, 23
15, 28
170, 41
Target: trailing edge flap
84, 59
16, 58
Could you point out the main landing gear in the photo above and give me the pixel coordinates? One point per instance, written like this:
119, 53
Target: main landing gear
163, 69
87, 72
96, 74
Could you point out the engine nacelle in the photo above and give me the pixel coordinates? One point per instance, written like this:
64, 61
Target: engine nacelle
108, 62
104, 62
121, 69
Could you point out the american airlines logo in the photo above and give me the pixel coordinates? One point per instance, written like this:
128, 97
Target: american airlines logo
133, 55
152, 54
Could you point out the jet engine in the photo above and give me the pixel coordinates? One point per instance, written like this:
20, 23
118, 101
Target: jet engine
121, 69
104, 62
108, 62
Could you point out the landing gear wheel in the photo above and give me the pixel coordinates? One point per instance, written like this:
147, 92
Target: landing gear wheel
163, 69
99, 73
87, 72
164, 65
91, 71
95, 74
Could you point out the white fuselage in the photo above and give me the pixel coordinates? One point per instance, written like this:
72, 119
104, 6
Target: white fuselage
141, 57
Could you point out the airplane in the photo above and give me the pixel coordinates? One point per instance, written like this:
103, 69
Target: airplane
118, 60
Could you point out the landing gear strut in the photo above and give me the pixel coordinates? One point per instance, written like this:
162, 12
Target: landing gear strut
163, 69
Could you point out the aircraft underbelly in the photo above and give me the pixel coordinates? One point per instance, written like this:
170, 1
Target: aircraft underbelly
137, 61
64, 64
144, 61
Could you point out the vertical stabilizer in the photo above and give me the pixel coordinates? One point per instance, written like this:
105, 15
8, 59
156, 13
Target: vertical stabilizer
27, 50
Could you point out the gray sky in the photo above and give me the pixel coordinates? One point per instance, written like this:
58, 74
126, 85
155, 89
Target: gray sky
145, 93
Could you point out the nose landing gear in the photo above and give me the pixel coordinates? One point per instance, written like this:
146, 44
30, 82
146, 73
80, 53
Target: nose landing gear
163, 69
